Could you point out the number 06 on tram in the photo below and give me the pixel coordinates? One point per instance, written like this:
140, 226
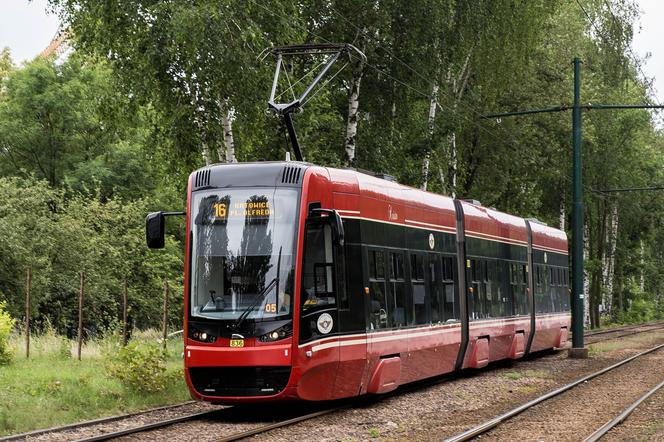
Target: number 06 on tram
312, 283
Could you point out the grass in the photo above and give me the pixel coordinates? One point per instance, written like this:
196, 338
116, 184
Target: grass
52, 389
374, 433
513, 375
516, 375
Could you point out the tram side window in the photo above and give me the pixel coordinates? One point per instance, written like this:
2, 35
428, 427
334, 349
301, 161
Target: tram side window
379, 309
477, 289
318, 267
450, 308
494, 291
399, 312
437, 289
541, 297
565, 291
419, 288
518, 278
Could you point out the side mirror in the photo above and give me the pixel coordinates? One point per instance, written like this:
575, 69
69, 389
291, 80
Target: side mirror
154, 230
336, 221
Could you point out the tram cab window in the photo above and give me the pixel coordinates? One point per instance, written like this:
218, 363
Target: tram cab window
318, 267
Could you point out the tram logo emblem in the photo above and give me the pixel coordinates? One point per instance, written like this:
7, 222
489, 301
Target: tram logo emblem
432, 241
325, 323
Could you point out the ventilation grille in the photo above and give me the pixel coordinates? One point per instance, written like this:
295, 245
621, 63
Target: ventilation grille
291, 175
202, 178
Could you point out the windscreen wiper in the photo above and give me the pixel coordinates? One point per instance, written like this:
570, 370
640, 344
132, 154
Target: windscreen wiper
260, 296
258, 300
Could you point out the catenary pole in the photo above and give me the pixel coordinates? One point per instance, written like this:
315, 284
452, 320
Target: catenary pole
577, 214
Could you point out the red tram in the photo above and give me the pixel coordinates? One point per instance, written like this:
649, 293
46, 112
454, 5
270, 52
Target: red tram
313, 283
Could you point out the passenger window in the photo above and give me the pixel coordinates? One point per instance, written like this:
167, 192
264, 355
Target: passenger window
418, 288
397, 310
396, 265
379, 308
376, 264
450, 307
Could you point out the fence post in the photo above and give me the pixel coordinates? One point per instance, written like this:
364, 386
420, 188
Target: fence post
124, 313
80, 315
165, 329
28, 288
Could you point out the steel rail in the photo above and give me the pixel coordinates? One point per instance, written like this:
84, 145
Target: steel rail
89, 423
264, 428
618, 329
631, 333
492, 423
597, 435
154, 425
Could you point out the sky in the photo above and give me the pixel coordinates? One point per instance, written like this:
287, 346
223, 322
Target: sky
27, 29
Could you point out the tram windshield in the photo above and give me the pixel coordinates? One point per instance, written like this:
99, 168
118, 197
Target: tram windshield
242, 248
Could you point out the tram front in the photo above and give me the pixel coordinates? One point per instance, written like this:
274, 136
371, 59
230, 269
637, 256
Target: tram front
242, 225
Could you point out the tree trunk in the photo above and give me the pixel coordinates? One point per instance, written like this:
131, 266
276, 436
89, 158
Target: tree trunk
452, 171
563, 215
597, 254
427, 153
353, 115
229, 142
206, 155
610, 257
642, 277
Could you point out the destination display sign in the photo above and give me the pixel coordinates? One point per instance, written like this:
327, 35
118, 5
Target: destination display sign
248, 209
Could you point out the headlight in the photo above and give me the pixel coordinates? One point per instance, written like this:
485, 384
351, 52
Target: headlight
276, 335
201, 336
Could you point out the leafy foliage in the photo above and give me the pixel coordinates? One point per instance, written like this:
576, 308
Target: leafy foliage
6, 326
139, 366
115, 130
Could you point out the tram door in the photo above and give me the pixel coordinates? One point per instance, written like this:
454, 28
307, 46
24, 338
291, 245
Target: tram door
352, 324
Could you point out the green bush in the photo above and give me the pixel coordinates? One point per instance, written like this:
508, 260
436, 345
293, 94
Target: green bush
6, 325
640, 311
64, 348
139, 366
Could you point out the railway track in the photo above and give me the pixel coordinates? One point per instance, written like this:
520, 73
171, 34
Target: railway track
606, 335
490, 424
597, 435
90, 423
218, 413
225, 414
599, 336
